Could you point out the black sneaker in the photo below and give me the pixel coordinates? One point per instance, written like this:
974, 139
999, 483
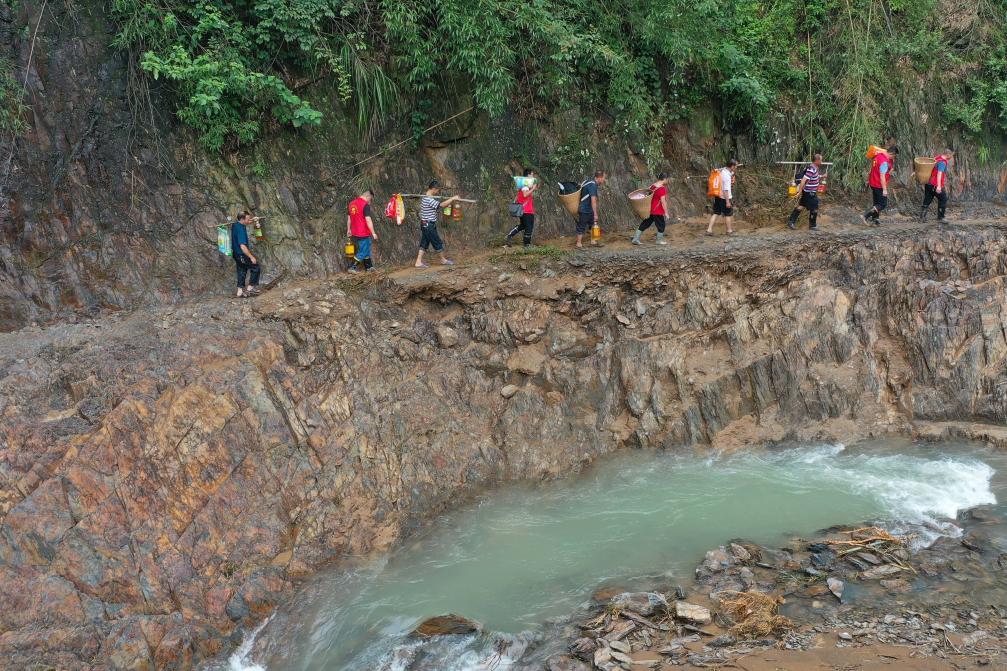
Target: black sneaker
812, 228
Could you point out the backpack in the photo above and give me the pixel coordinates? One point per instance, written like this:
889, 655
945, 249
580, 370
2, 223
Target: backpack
713, 187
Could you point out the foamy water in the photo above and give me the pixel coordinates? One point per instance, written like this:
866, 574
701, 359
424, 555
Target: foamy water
527, 554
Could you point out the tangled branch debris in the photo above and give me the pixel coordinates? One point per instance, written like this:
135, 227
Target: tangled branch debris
755, 614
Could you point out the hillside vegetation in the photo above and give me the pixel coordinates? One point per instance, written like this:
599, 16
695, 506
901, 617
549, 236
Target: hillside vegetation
837, 67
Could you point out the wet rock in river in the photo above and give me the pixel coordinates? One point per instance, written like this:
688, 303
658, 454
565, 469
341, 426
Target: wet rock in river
446, 625
644, 603
836, 587
882, 571
584, 647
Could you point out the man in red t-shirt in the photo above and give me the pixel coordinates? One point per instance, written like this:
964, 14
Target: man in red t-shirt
527, 221
658, 210
360, 228
881, 174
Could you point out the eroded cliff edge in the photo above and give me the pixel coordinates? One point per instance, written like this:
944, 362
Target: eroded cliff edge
166, 475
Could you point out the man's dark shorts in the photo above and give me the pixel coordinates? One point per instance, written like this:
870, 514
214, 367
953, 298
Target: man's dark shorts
429, 237
720, 208
879, 198
809, 201
585, 220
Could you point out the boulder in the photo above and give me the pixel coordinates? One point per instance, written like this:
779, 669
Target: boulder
644, 603
445, 625
690, 612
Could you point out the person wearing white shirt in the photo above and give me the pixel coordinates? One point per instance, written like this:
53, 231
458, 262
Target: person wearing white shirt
723, 205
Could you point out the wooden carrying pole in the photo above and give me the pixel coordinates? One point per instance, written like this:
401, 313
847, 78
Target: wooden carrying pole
423, 195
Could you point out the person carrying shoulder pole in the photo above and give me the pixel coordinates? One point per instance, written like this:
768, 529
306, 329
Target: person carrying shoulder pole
430, 208
881, 172
658, 210
587, 211
360, 228
723, 205
937, 187
808, 189
527, 221
245, 262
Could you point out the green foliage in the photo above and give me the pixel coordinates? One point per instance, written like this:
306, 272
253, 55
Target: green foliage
840, 72
12, 108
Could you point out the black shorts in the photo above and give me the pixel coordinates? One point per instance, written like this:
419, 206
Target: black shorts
809, 201
879, 198
720, 207
429, 237
585, 220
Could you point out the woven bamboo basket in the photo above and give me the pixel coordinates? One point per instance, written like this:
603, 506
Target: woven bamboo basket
640, 200
571, 202
922, 167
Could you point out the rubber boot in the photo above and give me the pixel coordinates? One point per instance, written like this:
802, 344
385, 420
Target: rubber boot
792, 222
636, 237
661, 240
923, 215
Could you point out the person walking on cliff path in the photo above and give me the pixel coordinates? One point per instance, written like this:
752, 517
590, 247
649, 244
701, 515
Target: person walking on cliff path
587, 211
526, 199
360, 229
723, 205
245, 262
937, 187
430, 208
808, 188
658, 210
881, 172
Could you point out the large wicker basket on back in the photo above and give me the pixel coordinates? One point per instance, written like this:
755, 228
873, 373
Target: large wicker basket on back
922, 167
571, 199
640, 200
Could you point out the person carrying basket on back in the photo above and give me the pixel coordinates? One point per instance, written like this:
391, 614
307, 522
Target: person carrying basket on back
937, 187
658, 210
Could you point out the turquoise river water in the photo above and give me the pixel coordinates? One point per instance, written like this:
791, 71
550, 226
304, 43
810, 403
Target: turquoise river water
524, 554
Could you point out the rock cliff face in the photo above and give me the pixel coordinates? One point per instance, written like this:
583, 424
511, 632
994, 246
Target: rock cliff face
109, 205
166, 476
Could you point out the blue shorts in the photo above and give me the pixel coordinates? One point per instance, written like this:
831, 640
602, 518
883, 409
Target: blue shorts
363, 246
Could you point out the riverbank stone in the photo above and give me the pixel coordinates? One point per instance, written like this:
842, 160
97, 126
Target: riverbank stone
643, 603
445, 625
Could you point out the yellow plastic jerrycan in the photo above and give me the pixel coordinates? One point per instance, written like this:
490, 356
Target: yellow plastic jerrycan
596, 232
349, 248
792, 189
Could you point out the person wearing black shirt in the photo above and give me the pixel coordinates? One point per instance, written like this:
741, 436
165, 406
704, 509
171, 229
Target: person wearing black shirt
244, 260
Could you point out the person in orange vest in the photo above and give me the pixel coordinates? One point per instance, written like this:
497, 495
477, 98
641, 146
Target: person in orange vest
723, 205
881, 173
360, 228
658, 210
937, 187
